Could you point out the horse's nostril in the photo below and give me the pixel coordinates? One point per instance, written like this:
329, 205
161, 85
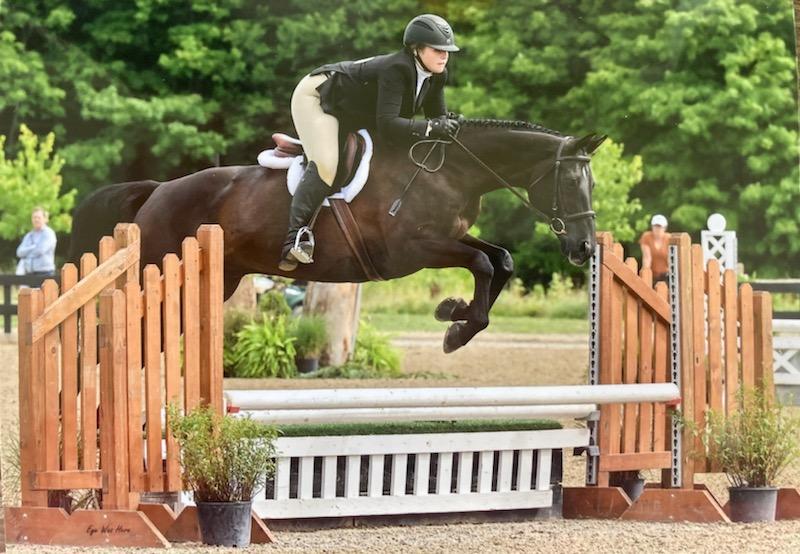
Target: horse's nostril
587, 248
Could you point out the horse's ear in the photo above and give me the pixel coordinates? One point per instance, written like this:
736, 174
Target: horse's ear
591, 142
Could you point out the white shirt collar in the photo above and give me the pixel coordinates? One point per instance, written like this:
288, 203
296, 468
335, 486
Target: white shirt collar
421, 70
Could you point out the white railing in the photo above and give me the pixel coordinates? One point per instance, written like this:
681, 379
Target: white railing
365, 475
362, 475
786, 351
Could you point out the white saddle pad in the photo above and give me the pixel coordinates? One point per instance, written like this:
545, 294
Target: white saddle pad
296, 168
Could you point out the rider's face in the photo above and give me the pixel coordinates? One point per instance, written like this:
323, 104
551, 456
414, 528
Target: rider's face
435, 60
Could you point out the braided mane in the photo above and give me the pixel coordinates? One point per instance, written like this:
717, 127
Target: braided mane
510, 124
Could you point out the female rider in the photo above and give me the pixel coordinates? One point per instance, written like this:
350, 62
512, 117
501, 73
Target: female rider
382, 94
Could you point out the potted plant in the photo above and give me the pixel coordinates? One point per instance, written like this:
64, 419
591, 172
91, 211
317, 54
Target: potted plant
752, 445
225, 459
310, 337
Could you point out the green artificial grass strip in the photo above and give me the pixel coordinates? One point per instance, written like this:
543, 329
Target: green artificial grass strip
413, 427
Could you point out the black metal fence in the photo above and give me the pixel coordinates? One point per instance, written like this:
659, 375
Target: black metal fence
8, 310
785, 286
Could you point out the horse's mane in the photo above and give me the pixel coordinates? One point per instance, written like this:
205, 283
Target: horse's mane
511, 124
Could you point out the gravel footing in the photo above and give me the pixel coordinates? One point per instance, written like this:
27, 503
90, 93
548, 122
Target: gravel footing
531, 536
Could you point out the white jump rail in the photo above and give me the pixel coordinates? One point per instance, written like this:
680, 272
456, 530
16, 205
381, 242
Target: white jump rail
363, 475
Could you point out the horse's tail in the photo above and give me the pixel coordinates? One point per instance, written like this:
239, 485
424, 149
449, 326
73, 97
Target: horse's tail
99, 212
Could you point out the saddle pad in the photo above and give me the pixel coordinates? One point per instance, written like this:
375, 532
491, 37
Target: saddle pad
296, 167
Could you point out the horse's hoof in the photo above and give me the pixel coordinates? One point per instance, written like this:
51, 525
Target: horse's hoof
452, 337
447, 307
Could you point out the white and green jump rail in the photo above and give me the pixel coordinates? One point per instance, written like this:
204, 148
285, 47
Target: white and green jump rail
363, 475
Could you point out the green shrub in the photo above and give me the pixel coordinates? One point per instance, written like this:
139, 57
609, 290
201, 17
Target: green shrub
264, 349
234, 321
224, 458
754, 443
375, 353
311, 336
272, 304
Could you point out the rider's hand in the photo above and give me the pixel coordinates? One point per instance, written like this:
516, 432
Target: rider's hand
443, 127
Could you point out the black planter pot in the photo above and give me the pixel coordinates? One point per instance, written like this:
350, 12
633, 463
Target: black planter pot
753, 504
225, 523
633, 487
307, 365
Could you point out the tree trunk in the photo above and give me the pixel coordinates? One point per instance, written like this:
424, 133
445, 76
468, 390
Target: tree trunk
244, 297
339, 304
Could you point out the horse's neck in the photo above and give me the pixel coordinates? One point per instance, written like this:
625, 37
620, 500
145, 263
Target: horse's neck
513, 155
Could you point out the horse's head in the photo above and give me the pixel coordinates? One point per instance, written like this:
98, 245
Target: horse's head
564, 194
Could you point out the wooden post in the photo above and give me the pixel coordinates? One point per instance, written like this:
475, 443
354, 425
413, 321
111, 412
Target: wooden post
31, 432
211, 294
113, 400
762, 312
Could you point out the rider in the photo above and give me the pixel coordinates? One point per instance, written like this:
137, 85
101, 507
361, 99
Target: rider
381, 94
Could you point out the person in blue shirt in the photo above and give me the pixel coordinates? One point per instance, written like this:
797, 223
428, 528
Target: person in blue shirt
37, 250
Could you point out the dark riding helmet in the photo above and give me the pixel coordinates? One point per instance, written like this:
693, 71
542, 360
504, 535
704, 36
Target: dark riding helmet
430, 30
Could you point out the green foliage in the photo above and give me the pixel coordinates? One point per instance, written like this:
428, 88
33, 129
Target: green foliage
224, 458
29, 180
272, 304
754, 443
234, 320
264, 349
310, 336
421, 292
375, 353
374, 358
702, 95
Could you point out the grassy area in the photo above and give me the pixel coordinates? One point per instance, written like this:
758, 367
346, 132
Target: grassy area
413, 427
405, 323
421, 292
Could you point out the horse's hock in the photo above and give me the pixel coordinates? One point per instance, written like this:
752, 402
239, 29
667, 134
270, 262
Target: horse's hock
102, 359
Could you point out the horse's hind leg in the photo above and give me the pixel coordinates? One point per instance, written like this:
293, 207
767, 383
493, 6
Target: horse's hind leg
457, 309
452, 253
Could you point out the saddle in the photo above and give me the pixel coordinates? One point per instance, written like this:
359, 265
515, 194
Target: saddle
350, 154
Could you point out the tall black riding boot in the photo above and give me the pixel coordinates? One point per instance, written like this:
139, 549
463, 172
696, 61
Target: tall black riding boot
299, 244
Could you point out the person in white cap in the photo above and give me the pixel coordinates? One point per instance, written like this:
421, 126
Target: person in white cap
655, 243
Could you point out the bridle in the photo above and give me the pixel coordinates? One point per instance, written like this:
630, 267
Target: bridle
557, 217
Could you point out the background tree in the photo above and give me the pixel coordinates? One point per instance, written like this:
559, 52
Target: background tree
703, 92
30, 180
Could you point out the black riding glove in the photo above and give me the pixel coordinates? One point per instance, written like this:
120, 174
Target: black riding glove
443, 127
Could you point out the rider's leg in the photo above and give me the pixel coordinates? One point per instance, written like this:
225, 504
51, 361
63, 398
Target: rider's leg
319, 133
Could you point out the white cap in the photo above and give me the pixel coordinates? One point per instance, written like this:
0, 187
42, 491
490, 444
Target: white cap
659, 219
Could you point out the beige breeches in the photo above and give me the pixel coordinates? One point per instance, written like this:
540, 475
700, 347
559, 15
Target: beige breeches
318, 131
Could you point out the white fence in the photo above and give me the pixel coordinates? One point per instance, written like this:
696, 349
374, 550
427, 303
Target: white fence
361, 475
786, 351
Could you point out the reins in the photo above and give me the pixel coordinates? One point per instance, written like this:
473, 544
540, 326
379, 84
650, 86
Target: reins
557, 219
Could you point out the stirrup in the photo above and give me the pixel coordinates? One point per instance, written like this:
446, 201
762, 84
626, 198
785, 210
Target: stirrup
303, 250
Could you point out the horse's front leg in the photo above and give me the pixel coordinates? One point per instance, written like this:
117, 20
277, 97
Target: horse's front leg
441, 253
456, 309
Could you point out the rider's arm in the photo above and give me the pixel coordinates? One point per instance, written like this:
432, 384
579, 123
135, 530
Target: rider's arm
391, 87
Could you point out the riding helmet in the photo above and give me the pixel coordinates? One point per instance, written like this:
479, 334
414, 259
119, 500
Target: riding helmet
430, 30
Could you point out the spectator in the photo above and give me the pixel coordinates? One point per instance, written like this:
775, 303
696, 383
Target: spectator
655, 245
36, 252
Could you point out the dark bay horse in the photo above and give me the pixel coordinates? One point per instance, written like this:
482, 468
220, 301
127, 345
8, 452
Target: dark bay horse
251, 204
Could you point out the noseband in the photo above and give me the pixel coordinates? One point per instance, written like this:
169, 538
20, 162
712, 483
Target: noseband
557, 217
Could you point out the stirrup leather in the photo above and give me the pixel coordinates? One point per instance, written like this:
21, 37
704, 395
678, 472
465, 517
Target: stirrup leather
303, 250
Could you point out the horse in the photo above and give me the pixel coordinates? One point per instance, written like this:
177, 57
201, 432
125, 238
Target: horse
430, 230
